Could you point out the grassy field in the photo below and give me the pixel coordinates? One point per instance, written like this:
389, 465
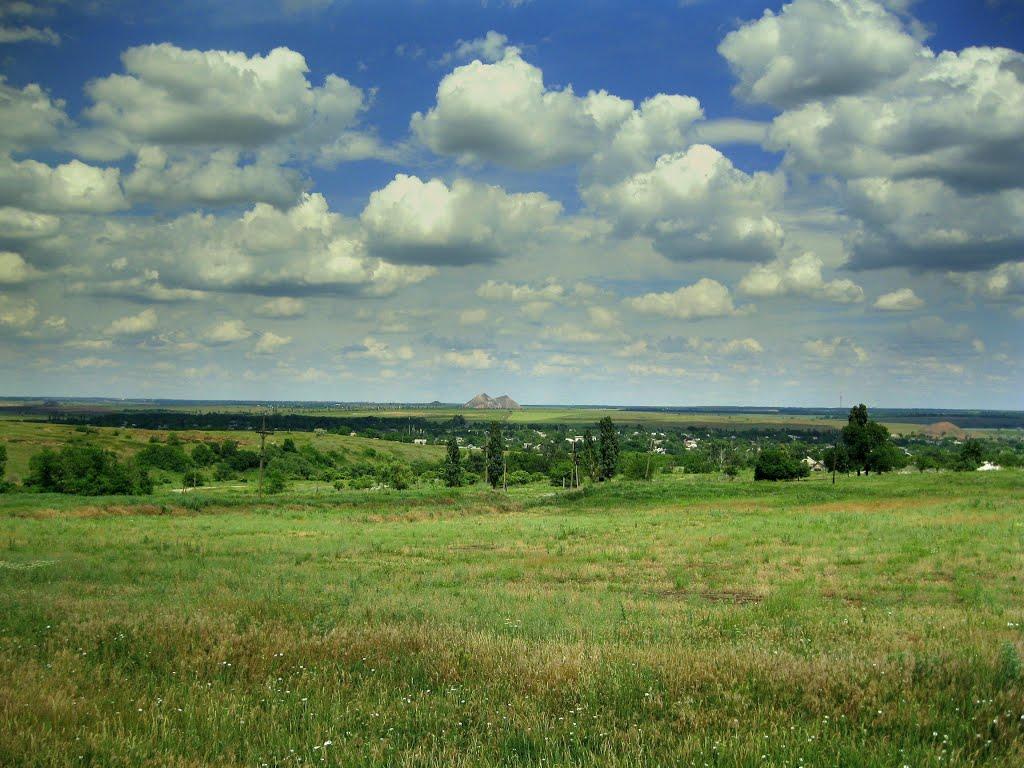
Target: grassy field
24, 438
690, 621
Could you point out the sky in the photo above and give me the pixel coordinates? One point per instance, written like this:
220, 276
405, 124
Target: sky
592, 202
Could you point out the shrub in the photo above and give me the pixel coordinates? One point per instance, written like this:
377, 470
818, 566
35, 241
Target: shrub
274, 482
169, 456
519, 477
85, 470
779, 464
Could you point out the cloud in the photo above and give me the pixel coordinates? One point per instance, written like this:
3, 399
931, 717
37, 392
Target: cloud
269, 342
378, 350
303, 250
503, 113
696, 204
18, 224
491, 47
133, 325
17, 312
169, 95
282, 307
29, 117
799, 276
474, 359
1004, 282
705, 298
520, 292
227, 332
835, 347
602, 317
14, 270
216, 178
427, 222
955, 117
28, 35
902, 300
926, 224
72, 187
816, 49
472, 316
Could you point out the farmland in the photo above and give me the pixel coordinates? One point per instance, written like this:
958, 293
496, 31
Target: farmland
689, 620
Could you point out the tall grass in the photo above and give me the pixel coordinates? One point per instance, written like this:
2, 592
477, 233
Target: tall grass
680, 622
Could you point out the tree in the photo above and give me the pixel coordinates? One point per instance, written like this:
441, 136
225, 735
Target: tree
837, 458
590, 462
779, 464
970, 455
4, 485
864, 437
86, 470
453, 464
495, 454
288, 446
607, 449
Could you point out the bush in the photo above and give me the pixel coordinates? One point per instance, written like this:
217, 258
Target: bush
169, 456
519, 477
274, 482
640, 466
779, 464
85, 470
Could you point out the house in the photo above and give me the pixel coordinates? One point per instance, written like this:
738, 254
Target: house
419, 441
814, 464
988, 466
575, 439
690, 444
319, 431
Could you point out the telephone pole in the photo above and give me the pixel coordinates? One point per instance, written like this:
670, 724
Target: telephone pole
263, 432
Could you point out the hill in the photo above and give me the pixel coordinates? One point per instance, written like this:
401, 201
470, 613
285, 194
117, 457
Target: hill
483, 401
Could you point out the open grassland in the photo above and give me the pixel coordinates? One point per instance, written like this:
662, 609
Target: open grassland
688, 621
24, 438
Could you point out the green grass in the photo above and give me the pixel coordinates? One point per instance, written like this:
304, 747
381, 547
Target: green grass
690, 621
24, 438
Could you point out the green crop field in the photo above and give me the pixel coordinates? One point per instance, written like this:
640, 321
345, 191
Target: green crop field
691, 621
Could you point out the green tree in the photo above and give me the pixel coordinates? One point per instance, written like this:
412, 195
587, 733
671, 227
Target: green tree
836, 458
864, 437
274, 481
85, 470
4, 485
288, 446
607, 449
495, 454
779, 464
589, 457
970, 455
453, 464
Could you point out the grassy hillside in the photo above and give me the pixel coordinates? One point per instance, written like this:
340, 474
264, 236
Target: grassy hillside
24, 438
684, 622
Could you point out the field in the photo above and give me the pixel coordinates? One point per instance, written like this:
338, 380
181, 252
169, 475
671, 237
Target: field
689, 621
24, 438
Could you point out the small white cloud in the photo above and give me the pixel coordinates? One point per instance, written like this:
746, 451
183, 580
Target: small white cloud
491, 47
705, 298
269, 342
475, 359
14, 270
226, 332
902, 300
282, 307
133, 325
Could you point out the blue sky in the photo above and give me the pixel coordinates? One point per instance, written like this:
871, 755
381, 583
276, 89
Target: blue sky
663, 203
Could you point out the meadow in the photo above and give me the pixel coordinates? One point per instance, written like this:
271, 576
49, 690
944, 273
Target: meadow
692, 620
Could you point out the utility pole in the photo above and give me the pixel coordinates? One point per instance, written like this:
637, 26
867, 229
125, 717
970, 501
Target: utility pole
263, 432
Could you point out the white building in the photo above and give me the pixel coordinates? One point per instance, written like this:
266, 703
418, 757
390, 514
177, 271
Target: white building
988, 466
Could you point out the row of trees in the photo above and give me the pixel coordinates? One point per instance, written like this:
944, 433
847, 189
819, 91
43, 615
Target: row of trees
597, 459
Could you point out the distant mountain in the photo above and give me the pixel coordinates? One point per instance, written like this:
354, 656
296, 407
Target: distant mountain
483, 401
